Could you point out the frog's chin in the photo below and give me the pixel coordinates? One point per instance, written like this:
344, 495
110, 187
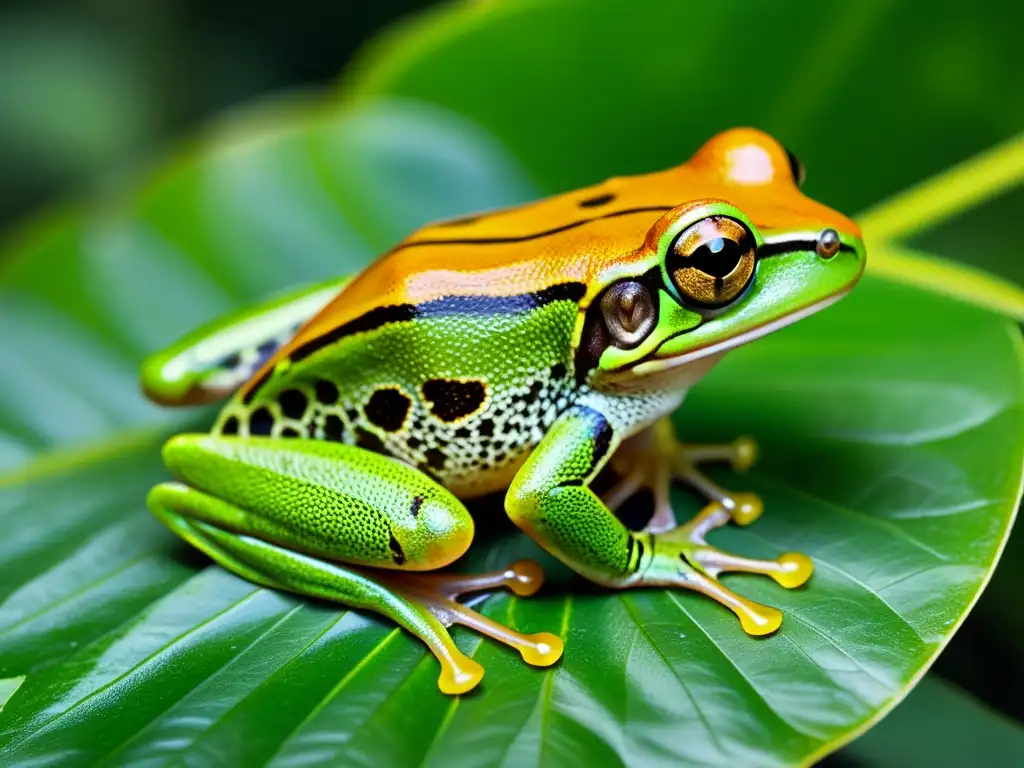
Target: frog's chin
684, 370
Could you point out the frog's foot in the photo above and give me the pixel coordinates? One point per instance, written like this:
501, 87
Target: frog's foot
683, 558
439, 594
653, 459
680, 555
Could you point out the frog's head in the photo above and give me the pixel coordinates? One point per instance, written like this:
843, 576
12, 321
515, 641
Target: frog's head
746, 254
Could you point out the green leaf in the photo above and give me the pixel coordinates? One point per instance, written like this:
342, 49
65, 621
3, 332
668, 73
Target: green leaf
891, 427
940, 725
7, 688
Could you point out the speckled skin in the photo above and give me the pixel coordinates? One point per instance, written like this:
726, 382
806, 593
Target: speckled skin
494, 352
463, 397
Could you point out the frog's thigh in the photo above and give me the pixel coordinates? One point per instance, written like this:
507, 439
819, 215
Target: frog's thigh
197, 517
327, 500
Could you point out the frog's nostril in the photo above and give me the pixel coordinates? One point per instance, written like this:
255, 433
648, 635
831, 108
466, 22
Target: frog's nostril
828, 243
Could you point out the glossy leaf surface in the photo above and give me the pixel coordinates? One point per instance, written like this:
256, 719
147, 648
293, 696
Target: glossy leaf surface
891, 434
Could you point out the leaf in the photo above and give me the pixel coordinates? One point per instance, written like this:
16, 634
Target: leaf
7, 689
890, 425
939, 724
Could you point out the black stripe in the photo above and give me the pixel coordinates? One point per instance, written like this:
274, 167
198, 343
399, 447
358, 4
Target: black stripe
375, 318
448, 305
533, 236
256, 385
497, 305
639, 554
630, 543
768, 250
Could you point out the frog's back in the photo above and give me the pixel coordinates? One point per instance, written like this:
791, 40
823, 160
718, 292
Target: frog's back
453, 351
461, 387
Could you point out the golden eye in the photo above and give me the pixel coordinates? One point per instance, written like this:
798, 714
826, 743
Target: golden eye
712, 261
629, 312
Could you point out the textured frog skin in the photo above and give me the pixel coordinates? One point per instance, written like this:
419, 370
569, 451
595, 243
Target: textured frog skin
462, 393
517, 349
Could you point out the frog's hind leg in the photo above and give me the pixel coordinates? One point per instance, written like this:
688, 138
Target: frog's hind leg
343, 524
210, 363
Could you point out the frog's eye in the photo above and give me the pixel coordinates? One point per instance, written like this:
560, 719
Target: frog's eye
796, 168
629, 312
712, 260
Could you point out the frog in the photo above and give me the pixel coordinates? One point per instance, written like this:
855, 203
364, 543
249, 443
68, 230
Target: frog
521, 351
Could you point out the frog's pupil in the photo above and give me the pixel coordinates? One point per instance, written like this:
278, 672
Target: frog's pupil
717, 257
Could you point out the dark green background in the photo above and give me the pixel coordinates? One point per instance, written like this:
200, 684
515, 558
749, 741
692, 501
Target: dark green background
92, 92
93, 89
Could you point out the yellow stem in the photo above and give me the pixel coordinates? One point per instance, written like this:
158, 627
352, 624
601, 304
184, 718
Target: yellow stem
960, 188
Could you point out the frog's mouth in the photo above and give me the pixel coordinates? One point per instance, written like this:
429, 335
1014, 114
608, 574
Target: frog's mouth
662, 367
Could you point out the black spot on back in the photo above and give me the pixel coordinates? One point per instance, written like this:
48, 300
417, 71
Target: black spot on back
486, 427
261, 422
435, 458
230, 362
289, 432
230, 426
451, 400
387, 409
558, 371
334, 428
596, 202
326, 392
293, 403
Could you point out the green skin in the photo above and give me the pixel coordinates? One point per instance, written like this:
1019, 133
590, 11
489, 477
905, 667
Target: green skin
303, 478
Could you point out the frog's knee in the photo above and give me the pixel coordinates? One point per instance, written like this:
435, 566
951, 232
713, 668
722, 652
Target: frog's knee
522, 501
180, 448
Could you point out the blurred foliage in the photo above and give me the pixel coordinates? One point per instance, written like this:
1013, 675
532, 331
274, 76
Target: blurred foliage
874, 96
92, 89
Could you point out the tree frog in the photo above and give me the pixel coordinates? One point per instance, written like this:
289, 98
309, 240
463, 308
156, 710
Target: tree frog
522, 349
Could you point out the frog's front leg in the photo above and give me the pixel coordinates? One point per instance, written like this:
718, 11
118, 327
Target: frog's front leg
324, 519
550, 500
